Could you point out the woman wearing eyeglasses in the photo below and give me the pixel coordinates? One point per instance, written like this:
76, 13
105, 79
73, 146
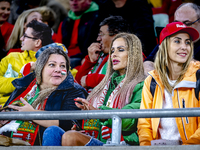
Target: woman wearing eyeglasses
174, 81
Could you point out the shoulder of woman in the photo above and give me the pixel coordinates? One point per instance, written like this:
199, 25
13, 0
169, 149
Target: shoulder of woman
138, 86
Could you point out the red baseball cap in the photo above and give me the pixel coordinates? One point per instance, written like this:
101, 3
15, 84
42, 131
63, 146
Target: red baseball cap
175, 27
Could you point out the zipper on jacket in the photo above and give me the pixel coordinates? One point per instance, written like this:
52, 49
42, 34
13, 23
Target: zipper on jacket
186, 118
182, 117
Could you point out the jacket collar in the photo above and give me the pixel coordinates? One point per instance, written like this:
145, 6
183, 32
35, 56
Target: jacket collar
189, 79
67, 83
28, 53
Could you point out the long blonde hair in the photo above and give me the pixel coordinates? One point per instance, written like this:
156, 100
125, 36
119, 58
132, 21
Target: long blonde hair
134, 70
162, 62
18, 29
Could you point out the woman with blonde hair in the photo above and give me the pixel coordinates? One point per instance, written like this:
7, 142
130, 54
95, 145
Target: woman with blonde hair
174, 82
14, 44
120, 89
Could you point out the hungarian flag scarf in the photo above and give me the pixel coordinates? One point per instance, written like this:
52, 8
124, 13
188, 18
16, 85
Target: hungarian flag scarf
24, 130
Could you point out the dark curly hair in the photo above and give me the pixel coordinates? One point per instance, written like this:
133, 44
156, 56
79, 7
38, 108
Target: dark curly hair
116, 24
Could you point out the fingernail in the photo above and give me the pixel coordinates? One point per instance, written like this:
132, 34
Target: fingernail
75, 99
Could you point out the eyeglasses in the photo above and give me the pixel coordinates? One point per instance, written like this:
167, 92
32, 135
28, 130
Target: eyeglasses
26, 36
102, 34
189, 23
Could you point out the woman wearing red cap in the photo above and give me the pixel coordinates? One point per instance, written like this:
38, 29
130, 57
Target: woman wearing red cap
175, 82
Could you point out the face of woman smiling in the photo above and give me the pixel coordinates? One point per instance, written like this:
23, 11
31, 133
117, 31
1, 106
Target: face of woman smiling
119, 55
179, 48
4, 11
51, 73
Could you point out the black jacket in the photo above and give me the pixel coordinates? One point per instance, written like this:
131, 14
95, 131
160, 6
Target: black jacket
138, 14
61, 99
87, 31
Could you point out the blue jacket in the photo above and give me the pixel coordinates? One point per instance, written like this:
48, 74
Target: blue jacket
61, 99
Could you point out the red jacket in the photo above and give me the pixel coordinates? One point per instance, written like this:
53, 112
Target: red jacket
92, 79
6, 30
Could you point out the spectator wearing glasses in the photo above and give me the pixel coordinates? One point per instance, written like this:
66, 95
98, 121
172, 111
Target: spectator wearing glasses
93, 70
189, 14
14, 43
37, 34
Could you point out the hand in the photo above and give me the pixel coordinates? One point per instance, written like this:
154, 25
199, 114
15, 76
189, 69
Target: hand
82, 61
105, 132
33, 64
85, 104
26, 107
73, 127
83, 81
2, 122
93, 51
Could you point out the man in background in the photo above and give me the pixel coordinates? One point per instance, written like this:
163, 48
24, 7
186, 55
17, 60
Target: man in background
36, 35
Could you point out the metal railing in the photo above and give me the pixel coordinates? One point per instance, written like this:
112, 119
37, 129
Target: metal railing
116, 116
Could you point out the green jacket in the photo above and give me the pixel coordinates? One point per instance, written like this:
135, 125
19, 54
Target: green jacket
129, 126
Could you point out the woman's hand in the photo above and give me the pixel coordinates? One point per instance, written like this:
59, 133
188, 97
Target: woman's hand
2, 122
26, 107
83, 81
85, 104
33, 64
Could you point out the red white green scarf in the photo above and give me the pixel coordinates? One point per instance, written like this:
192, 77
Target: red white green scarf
112, 98
24, 130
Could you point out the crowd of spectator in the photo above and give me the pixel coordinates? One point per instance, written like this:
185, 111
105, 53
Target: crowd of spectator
99, 55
